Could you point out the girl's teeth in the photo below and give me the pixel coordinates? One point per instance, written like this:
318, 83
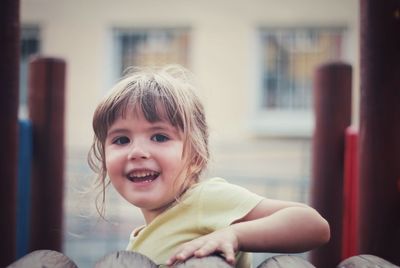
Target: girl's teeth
142, 176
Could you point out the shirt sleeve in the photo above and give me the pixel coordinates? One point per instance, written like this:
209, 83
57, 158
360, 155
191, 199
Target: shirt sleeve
132, 237
222, 203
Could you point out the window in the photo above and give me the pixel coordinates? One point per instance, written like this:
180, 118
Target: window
30, 45
152, 46
288, 60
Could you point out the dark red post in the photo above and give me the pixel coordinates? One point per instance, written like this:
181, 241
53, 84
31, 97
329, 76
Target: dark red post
9, 83
332, 100
46, 110
380, 129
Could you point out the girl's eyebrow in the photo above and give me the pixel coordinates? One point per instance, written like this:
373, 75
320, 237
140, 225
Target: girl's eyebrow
116, 131
158, 126
161, 126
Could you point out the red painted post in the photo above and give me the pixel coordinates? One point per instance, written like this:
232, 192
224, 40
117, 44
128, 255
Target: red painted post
46, 110
350, 191
9, 83
380, 129
332, 100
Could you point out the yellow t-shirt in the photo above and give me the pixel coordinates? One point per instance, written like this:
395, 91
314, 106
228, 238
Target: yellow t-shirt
208, 206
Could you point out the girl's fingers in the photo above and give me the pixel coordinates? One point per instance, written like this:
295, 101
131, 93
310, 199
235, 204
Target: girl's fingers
211, 247
229, 253
185, 252
181, 256
206, 249
201, 248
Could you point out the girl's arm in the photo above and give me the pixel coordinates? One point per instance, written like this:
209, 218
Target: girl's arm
279, 226
272, 226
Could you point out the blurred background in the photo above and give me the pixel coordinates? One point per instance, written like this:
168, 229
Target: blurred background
254, 63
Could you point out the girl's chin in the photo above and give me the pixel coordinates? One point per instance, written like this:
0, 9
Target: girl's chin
145, 202
151, 206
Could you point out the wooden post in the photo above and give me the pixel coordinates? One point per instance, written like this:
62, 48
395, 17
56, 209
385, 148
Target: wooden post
208, 261
125, 259
332, 100
365, 261
288, 261
46, 111
9, 83
380, 129
43, 258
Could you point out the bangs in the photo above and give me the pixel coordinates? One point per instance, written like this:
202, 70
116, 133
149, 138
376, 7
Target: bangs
158, 106
152, 99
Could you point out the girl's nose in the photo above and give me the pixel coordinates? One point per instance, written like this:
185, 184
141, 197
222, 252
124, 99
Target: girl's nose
138, 151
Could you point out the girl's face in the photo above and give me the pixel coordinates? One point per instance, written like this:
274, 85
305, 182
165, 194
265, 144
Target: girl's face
144, 162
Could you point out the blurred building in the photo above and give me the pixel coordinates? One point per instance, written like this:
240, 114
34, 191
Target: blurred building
254, 63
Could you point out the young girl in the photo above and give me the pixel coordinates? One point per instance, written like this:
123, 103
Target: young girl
151, 141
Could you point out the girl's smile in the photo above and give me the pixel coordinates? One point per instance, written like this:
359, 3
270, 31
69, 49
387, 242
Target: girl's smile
142, 175
144, 162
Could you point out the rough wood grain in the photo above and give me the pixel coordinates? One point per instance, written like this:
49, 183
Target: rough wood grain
366, 261
285, 261
206, 262
125, 259
44, 259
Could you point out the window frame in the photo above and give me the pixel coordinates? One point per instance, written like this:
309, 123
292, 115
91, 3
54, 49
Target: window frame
283, 122
118, 32
27, 32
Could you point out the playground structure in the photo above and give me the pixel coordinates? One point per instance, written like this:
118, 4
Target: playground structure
126, 259
374, 197
378, 185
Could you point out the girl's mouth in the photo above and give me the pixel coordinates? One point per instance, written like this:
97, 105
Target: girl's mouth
142, 176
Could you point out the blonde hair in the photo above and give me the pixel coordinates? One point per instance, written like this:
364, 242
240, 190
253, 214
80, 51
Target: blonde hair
161, 94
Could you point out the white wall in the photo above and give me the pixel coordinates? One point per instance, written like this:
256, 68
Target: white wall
223, 48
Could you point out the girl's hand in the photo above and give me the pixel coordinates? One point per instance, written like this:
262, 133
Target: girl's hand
222, 241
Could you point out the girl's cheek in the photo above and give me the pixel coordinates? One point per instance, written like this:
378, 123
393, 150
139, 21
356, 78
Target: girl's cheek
111, 159
112, 153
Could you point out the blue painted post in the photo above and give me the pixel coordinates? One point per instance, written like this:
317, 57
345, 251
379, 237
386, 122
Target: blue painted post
24, 187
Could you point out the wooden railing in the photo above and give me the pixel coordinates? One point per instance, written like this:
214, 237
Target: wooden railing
125, 259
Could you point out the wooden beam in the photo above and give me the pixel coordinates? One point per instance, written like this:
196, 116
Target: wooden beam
9, 86
380, 129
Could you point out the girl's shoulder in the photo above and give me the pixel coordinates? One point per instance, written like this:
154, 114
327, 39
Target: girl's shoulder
219, 188
205, 184
218, 203
216, 184
211, 181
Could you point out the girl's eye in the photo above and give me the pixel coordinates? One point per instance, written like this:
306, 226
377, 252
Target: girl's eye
159, 138
121, 140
